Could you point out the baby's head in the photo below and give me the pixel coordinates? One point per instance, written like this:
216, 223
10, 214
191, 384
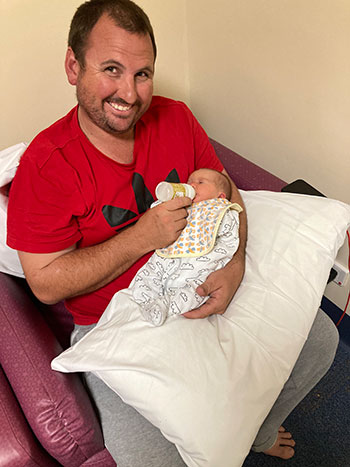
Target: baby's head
208, 184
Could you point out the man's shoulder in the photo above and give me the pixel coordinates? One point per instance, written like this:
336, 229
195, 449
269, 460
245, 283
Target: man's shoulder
55, 137
164, 106
161, 101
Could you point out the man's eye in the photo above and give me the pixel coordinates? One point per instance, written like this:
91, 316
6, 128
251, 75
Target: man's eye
112, 70
143, 75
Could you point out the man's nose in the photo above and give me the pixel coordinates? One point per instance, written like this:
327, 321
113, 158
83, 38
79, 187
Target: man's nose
127, 89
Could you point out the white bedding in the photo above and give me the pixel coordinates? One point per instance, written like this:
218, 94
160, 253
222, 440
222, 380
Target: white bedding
208, 384
9, 160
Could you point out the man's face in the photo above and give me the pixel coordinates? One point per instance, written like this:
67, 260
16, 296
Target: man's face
115, 87
204, 183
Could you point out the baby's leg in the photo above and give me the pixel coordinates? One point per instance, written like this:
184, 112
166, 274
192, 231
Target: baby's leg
154, 311
148, 288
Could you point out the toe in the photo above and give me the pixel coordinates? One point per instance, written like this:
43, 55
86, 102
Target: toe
283, 446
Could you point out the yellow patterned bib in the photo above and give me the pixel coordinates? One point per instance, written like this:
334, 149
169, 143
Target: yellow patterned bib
199, 235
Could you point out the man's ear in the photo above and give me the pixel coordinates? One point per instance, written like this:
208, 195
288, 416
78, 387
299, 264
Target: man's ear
72, 67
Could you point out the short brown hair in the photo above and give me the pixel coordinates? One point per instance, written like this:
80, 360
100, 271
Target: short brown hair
125, 13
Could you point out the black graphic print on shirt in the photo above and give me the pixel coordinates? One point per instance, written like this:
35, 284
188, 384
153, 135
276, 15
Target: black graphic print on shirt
116, 217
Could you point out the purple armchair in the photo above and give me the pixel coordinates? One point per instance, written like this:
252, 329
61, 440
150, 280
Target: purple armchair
46, 417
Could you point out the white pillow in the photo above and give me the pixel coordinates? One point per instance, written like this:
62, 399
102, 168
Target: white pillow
209, 384
9, 160
9, 261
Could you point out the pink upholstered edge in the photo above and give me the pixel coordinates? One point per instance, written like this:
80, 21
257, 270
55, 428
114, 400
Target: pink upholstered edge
18, 444
246, 174
101, 459
56, 405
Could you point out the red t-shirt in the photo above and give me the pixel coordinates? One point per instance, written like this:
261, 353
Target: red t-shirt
66, 191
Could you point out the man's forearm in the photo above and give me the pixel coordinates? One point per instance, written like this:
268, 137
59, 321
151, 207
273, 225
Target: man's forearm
243, 228
85, 270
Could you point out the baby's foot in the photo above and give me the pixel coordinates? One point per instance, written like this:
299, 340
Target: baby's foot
283, 446
154, 313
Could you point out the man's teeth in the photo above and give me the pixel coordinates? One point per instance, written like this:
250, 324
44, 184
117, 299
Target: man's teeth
122, 108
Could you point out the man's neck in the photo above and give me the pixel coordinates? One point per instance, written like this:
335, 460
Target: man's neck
119, 147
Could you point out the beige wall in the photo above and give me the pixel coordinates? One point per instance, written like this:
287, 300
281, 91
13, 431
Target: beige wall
34, 90
270, 79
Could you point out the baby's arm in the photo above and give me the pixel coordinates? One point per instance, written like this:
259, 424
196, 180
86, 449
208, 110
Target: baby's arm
228, 232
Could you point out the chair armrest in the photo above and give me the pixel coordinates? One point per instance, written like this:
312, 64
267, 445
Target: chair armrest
246, 174
56, 405
18, 445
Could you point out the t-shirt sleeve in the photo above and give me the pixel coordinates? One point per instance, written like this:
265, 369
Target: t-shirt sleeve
43, 205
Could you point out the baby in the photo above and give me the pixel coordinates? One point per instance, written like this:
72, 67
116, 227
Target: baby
166, 284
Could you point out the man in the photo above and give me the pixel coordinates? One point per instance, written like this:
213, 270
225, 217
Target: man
78, 211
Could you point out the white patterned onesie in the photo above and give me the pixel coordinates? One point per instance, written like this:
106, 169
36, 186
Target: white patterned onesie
166, 284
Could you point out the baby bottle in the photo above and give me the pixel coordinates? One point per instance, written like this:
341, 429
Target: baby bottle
166, 191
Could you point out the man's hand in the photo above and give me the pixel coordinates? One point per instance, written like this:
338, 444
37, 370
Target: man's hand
161, 225
221, 285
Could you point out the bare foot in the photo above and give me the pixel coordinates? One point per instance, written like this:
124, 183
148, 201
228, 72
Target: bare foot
283, 446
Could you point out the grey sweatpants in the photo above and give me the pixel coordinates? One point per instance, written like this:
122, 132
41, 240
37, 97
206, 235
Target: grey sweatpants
135, 442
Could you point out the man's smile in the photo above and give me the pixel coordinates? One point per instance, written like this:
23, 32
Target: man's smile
120, 107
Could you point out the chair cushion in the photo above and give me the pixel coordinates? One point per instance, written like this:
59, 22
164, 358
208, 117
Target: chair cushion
56, 406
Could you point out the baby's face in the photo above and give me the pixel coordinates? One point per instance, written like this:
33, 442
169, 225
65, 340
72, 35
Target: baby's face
203, 181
